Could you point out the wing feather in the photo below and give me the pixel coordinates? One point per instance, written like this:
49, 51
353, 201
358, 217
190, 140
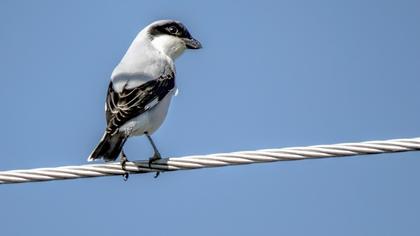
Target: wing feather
130, 103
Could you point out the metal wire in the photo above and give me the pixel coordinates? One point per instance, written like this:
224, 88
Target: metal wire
212, 160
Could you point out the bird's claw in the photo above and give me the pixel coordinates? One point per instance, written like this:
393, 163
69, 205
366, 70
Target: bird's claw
123, 160
125, 176
153, 159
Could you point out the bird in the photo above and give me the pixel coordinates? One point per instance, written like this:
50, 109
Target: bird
141, 88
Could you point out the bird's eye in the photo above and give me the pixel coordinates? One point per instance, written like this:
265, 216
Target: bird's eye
172, 30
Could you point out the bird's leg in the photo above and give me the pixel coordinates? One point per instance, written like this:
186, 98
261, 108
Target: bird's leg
156, 155
123, 160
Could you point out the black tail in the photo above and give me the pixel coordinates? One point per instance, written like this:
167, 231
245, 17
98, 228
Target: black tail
109, 147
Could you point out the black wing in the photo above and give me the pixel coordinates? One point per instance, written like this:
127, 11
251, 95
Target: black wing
129, 103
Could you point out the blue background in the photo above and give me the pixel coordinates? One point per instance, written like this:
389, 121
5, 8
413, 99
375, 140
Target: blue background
271, 74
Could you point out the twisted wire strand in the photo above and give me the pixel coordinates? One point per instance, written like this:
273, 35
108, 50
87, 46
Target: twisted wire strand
211, 160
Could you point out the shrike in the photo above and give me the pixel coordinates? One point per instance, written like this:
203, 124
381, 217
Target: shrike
142, 86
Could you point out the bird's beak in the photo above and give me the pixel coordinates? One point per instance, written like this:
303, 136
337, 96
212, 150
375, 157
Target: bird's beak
192, 43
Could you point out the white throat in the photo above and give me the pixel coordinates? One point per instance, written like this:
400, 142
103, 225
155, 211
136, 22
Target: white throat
171, 46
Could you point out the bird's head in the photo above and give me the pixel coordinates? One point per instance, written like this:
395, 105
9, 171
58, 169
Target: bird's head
171, 37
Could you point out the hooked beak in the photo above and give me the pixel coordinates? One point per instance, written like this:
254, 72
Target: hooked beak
192, 43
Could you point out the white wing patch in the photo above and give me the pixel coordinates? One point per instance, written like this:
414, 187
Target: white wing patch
151, 104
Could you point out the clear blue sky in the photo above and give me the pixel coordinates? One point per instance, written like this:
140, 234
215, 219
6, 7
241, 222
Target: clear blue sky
271, 74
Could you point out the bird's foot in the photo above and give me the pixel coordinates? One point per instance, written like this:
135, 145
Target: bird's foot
123, 161
155, 157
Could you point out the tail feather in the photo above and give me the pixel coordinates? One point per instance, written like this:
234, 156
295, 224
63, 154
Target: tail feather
108, 148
